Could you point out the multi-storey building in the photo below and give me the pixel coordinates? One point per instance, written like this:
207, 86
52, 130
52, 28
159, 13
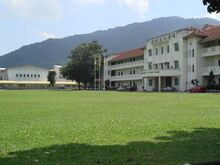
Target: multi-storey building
176, 58
125, 69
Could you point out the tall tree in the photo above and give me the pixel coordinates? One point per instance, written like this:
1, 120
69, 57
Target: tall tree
212, 5
51, 77
83, 64
211, 78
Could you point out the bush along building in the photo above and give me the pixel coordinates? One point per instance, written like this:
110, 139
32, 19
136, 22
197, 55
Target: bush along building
173, 60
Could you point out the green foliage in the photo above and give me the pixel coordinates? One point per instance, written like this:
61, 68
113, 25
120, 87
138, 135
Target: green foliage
211, 78
213, 5
195, 82
108, 128
107, 84
84, 63
51, 77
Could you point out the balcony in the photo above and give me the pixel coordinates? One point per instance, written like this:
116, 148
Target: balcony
211, 51
127, 77
127, 65
215, 69
162, 73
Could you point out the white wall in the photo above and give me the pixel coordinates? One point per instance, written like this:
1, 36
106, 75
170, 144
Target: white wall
27, 73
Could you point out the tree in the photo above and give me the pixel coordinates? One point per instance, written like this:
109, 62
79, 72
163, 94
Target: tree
83, 65
212, 5
107, 84
51, 77
195, 82
211, 78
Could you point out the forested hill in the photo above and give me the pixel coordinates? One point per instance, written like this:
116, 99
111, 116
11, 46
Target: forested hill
55, 51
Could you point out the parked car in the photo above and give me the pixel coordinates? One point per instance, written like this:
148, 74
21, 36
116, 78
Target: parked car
197, 89
169, 89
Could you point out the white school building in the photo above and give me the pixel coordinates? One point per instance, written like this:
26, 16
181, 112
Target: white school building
171, 60
30, 76
125, 68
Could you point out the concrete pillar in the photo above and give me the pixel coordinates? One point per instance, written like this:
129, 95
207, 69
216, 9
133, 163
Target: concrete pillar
159, 83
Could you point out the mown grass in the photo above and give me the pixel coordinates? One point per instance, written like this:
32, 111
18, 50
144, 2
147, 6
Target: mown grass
79, 127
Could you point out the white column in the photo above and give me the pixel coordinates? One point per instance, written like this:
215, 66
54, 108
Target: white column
159, 82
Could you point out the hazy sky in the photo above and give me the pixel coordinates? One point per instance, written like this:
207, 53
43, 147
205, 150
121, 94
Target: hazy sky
28, 21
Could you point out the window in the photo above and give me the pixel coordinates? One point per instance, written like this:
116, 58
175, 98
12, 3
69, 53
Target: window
167, 65
218, 62
150, 52
161, 50
161, 65
35, 75
149, 66
176, 47
150, 82
176, 81
122, 73
193, 68
27, 75
176, 64
130, 72
168, 49
20, 75
156, 51
218, 81
156, 66
193, 52
134, 84
16, 75
31, 75
119, 73
24, 75
133, 71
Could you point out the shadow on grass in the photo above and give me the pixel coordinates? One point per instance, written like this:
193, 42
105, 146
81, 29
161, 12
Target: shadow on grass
202, 144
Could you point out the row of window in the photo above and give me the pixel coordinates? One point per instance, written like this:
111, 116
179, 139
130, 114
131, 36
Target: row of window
165, 65
28, 75
133, 59
176, 49
132, 72
163, 38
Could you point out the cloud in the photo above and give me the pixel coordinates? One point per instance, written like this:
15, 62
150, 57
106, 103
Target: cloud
34, 9
87, 2
139, 6
47, 35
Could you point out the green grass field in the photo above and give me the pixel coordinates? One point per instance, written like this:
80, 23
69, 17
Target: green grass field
108, 128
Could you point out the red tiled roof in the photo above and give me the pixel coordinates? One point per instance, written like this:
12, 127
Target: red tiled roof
212, 31
196, 32
128, 54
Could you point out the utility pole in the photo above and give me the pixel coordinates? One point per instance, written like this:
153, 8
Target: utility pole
95, 71
99, 72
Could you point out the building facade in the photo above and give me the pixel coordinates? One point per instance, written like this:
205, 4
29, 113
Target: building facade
125, 69
171, 60
31, 77
177, 58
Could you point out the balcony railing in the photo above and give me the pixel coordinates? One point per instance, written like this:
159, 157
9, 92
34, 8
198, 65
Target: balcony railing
127, 65
127, 77
162, 72
211, 51
215, 69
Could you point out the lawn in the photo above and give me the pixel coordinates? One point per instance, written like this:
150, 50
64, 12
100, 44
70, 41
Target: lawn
108, 128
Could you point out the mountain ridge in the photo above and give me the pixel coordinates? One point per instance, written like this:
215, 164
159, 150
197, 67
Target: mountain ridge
121, 38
